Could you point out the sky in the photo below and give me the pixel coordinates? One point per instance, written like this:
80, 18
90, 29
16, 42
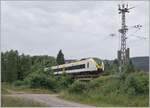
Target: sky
80, 28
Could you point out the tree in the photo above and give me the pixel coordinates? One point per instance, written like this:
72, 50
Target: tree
11, 63
18, 67
3, 67
46, 61
130, 67
116, 62
60, 58
24, 66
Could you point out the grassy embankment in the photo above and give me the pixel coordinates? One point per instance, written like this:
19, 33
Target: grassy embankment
111, 91
109, 100
8, 101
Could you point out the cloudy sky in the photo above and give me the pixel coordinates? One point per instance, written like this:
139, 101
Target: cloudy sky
80, 29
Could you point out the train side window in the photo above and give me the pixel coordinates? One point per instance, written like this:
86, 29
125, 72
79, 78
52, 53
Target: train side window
88, 65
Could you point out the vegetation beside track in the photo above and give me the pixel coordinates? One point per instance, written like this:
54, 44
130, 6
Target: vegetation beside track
130, 91
22, 73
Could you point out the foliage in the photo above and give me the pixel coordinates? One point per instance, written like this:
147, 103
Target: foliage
24, 66
127, 88
138, 82
3, 67
64, 81
111, 90
129, 68
46, 79
113, 68
107, 69
116, 62
9, 65
110, 69
41, 80
20, 83
60, 58
18, 67
77, 87
44, 60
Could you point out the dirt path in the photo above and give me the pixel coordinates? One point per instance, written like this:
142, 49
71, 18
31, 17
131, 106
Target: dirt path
50, 100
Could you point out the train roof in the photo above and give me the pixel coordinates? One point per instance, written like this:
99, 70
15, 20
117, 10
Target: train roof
96, 59
84, 59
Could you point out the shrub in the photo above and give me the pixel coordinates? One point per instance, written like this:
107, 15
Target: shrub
42, 80
18, 83
64, 81
52, 84
38, 78
129, 68
137, 81
21, 83
110, 69
142, 83
131, 91
78, 87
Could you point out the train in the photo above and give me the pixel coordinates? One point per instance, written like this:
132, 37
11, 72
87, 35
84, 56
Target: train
88, 68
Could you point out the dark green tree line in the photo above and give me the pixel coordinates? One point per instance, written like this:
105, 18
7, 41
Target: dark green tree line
17, 67
9, 65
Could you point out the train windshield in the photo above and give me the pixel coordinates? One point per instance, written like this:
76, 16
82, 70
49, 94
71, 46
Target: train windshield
97, 60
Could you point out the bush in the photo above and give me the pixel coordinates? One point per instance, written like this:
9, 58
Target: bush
42, 80
130, 67
137, 81
110, 69
18, 83
131, 91
38, 78
21, 83
125, 89
64, 81
78, 87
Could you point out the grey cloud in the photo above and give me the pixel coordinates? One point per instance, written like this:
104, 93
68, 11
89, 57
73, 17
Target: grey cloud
81, 29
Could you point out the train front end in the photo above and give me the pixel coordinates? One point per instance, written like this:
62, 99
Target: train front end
99, 64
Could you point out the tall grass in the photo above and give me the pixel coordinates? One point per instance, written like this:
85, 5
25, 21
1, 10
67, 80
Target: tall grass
109, 100
111, 91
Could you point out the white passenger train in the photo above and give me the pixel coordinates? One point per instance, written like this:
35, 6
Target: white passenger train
90, 67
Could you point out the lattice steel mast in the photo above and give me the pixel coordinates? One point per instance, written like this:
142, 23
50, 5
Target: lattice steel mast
123, 53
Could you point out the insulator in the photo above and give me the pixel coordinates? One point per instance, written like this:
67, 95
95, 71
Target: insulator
123, 6
119, 7
127, 6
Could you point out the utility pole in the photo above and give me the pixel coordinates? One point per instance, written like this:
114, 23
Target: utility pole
123, 53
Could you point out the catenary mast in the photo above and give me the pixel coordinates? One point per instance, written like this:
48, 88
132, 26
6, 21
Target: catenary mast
123, 53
